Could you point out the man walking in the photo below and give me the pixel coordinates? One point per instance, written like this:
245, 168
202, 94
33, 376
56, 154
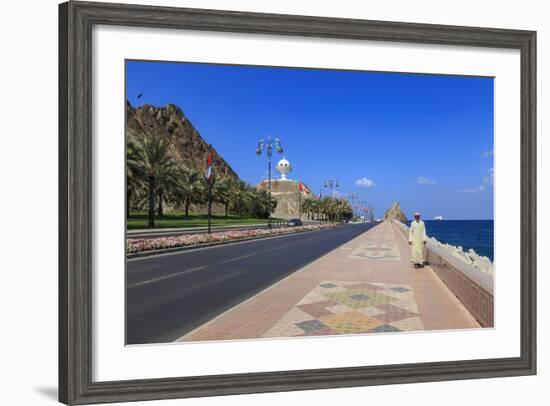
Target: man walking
417, 240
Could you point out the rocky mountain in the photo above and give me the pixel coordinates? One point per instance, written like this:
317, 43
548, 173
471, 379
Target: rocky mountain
395, 213
170, 123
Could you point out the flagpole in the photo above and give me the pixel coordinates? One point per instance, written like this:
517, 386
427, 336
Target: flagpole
209, 207
319, 207
300, 200
209, 181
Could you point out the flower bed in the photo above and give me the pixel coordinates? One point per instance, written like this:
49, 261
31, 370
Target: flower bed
135, 245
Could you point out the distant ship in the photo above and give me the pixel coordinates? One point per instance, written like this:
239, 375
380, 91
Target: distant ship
438, 218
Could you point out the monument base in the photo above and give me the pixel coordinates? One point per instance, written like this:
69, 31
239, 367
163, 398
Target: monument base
287, 194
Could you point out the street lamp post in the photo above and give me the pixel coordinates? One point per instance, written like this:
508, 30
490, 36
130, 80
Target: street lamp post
371, 210
352, 198
331, 183
268, 145
319, 206
362, 210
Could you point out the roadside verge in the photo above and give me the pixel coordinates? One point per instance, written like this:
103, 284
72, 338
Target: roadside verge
136, 248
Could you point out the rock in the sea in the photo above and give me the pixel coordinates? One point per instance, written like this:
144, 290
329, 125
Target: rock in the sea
395, 213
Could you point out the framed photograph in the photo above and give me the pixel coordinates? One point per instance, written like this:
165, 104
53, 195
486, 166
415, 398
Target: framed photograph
259, 202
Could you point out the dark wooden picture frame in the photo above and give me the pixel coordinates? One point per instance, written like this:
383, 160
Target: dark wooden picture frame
76, 20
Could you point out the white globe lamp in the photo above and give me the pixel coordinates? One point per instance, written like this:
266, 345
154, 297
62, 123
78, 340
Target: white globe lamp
284, 167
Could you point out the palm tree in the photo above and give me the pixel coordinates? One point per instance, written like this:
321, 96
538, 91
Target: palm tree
240, 198
335, 209
307, 205
314, 209
165, 186
133, 174
221, 191
259, 203
190, 189
326, 207
152, 160
346, 210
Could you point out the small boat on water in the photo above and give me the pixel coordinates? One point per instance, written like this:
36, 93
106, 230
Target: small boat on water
438, 218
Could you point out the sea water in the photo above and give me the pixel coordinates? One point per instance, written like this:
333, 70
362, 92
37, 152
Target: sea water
475, 234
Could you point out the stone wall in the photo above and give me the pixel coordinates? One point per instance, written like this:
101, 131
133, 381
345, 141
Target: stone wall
285, 192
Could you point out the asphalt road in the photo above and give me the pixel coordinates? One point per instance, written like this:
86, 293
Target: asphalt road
169, 295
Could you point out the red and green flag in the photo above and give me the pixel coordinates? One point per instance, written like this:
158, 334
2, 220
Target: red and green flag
209, 165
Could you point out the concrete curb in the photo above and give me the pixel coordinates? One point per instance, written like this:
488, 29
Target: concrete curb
211, 244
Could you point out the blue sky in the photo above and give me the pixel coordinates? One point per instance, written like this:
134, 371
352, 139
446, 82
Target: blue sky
423, 140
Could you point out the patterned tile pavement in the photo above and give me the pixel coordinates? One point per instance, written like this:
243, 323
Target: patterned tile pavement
365, 286
337, 307
381, 245
381, 250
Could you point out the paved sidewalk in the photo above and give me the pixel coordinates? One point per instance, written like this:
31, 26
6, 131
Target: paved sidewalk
367, 285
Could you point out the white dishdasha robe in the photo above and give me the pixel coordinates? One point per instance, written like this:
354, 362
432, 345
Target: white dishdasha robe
417, 237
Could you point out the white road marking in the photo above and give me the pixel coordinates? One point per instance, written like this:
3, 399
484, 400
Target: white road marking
237, 242
237, 258
279, 247
135, 285
250, 299
196, 269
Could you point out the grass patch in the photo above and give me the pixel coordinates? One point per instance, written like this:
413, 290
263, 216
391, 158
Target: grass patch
138, 220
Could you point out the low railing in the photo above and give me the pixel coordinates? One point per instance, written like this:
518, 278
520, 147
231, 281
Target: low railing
471, 283
284, 222
279, 222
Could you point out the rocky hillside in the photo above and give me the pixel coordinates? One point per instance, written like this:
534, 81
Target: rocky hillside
170, 123
395, 213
